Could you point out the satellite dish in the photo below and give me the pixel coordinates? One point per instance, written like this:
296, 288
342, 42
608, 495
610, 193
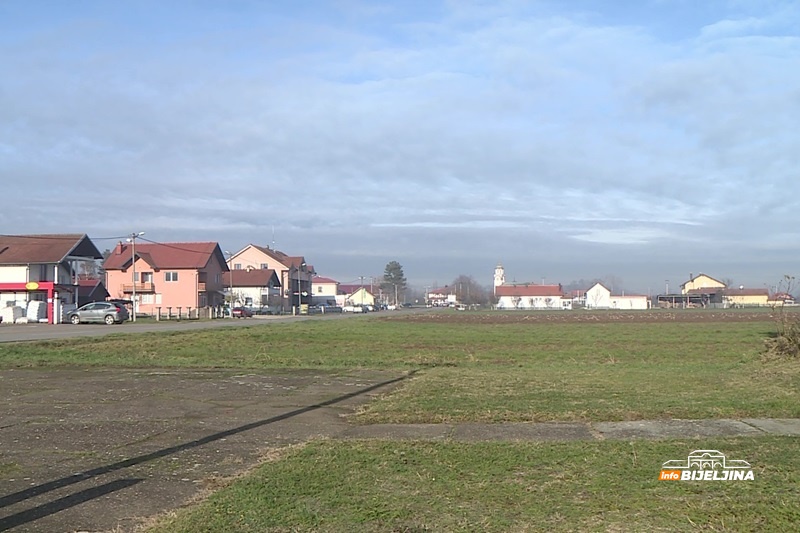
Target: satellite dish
741, 287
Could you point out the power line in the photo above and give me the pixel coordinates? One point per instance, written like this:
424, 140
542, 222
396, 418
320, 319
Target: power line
172, 246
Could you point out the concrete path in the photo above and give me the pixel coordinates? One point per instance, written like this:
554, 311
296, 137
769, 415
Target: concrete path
567, 431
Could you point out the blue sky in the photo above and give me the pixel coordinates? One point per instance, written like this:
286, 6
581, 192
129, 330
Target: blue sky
566, 140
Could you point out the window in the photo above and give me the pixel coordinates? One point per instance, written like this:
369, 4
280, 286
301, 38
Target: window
237, 266
264, 266
319, 289
148, 299
147, 277
170, 276
217, 278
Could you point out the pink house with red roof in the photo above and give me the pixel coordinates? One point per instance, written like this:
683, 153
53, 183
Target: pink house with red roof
294, 274
186, 275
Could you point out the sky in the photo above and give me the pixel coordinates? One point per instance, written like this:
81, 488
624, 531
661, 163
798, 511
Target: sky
643, 140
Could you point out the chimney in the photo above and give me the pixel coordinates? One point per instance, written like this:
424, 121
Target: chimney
118, 249
691, 276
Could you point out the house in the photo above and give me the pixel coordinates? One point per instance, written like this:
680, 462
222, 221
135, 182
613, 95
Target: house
43, 268
294, 274
700, 283
355, 295
167, 276
91, 290
531, 296
743, 297
253, 287
324, 291
527, 295
600, 297
700, 291
780, 299
443, 297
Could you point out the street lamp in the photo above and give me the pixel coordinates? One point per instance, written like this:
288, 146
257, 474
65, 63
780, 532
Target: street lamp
230, 273
132, 240
299, 291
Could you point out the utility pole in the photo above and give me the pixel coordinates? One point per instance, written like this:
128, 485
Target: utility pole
132, 240
230, 268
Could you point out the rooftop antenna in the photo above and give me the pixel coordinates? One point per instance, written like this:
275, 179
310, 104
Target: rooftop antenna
273, 236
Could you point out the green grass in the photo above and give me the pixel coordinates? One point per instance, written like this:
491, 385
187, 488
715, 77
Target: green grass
491, 371
473, 371
584, 486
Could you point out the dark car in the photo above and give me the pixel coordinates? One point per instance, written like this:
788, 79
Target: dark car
103, 312
242, 312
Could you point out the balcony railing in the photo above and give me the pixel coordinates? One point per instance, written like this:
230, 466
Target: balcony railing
140, 287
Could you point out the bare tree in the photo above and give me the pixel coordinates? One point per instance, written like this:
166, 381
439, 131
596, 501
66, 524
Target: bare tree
469, 292
786, 341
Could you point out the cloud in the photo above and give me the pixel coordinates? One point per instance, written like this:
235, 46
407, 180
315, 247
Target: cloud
449, 122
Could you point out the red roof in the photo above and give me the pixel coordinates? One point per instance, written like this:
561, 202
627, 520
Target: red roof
529, 290
318, 280
443, 291
288, 260
45, 249
177, 255
255, 277
350, 289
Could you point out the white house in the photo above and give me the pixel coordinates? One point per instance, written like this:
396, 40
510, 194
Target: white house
531, 296
254, 287
324, 291
600, 297
355, 295
528, 295
443, 297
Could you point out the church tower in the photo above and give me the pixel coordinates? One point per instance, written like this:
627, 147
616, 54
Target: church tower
499, 276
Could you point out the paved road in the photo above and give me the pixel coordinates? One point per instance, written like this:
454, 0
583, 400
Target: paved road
38, 332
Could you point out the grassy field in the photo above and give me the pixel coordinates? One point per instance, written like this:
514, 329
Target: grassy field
471, 370
492, 368
580, 486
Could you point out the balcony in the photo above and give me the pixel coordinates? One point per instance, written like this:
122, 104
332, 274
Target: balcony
140, 287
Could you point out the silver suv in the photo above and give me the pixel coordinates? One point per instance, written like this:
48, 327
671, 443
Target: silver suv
103, 312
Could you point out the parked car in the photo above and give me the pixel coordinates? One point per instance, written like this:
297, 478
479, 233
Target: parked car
103, 312
242, 312
352, 309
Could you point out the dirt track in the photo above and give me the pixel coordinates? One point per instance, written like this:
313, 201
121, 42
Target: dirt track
100, 450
